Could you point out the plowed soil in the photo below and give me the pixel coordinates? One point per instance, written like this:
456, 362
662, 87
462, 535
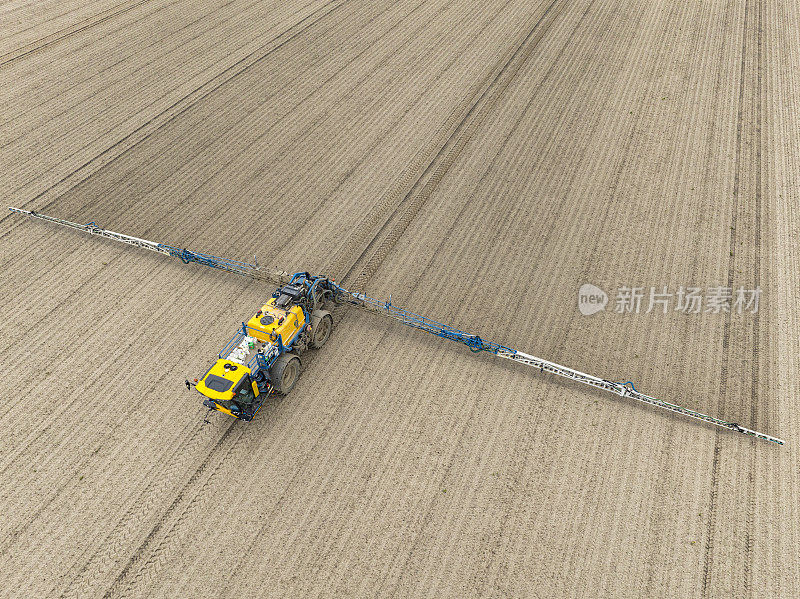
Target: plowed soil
478, 162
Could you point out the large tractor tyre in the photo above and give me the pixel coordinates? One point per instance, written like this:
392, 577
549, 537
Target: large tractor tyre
319, 299
321, 327
284, 373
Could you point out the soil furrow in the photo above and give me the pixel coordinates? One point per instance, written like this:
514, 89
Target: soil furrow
165, 117
477, 164
70, 31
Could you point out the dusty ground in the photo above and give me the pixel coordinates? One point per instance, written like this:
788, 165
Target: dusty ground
477, 165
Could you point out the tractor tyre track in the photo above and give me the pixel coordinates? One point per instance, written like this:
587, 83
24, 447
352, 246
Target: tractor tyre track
442, 158
743, 134
757, 422
67, 32
128, 528
50, 195
107, 73
189, 430
185, 490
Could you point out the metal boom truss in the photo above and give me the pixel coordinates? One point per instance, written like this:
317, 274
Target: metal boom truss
410, 319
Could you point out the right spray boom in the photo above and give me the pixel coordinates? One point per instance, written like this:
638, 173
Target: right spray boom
476, 344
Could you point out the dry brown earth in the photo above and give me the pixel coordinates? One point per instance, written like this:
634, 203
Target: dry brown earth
477, 165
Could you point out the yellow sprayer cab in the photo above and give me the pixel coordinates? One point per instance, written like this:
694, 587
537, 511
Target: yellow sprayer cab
226, 383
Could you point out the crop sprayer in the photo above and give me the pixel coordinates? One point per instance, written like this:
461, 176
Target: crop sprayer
263, 357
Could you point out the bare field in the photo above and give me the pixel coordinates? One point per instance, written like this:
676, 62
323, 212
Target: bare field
479, 165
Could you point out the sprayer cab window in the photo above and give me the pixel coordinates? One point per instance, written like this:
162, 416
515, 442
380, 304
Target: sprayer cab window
244, 392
